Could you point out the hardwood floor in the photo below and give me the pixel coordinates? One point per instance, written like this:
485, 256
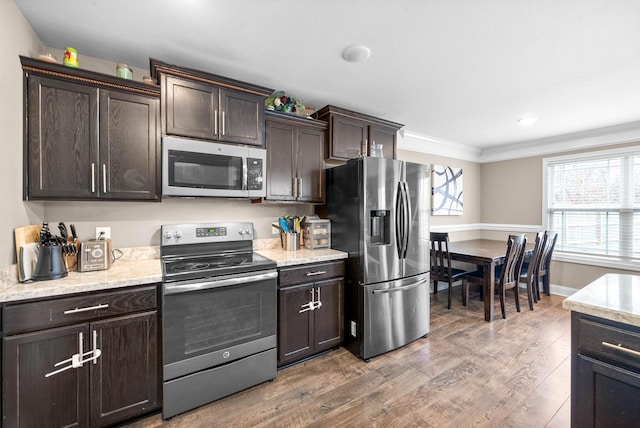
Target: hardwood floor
509, 373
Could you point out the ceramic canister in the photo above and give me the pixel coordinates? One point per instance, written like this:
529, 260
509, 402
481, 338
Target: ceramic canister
124, 71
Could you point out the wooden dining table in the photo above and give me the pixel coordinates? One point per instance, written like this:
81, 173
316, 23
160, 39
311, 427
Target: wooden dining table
486, 253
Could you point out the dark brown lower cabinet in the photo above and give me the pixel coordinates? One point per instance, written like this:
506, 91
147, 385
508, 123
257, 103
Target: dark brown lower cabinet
605, 373
310, 310
90, 374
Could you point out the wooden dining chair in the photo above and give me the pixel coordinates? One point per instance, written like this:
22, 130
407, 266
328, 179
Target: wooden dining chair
529, 271
441, 269
545, 262
509, 275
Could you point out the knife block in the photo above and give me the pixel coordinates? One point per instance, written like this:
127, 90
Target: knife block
71, 260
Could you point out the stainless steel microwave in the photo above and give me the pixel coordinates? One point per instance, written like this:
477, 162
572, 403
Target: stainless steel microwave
192, 168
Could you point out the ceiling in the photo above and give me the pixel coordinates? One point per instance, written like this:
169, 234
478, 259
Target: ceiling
455, 71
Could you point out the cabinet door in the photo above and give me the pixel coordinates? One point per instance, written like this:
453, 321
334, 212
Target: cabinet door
32, 400
124, 380
348, 139
242, 117
604, 395
310, 164
328, 321
62, 139
383, 135
294, 323
191, 108
280, 155
129, 146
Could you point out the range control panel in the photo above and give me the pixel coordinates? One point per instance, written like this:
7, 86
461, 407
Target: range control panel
173, 234
202, 232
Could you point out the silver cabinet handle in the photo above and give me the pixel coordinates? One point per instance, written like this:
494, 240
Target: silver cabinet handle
299, 187
223, 124
87, 308
95, 351
318, 303
104, 177
215, 122
319, 272
93, 177
621, 348
295, 187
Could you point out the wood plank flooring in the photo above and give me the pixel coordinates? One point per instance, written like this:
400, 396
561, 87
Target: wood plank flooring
467, 373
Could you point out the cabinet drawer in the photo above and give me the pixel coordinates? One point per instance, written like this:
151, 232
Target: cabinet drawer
610, 342
24, 317
310, 273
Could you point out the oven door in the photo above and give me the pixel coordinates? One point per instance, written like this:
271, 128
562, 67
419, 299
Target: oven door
199, 168
211, 322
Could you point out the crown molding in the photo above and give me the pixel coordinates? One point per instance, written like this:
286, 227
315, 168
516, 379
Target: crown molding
607, 136
416, 142
619, 134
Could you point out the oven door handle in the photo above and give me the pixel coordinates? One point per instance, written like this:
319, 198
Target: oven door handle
186, 288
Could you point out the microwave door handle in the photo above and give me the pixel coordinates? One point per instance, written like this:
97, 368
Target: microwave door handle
245, 173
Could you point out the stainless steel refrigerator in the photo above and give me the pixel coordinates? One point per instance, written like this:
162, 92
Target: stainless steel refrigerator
379, 211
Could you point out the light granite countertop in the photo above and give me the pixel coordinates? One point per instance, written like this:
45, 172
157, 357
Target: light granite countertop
302, 256
138, 266
614, 297
123, 273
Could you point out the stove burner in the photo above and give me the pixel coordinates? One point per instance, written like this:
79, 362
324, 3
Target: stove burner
210, 265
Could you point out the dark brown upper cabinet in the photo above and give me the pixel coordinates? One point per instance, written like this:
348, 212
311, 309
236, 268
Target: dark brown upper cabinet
206, 106
295, 158
89, 136
351, 133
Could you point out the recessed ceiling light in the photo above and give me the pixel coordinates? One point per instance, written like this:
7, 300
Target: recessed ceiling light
527, 121
357, 53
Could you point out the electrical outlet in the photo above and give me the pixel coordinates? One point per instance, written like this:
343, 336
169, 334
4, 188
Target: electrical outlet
103, 233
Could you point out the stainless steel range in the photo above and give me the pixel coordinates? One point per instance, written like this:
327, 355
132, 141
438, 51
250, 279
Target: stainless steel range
219, 314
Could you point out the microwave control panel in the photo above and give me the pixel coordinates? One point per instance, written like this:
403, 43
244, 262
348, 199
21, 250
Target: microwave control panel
254, 174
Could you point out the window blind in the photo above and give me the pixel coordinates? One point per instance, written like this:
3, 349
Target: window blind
593, 203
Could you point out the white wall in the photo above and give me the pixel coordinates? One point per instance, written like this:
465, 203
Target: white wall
16, 38
132, 223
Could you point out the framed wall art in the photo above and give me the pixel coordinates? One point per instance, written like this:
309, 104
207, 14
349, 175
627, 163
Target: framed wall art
447, 190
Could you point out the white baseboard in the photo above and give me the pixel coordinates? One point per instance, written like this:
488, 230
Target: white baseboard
559, 290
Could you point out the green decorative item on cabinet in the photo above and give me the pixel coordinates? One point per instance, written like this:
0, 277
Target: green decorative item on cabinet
278, 101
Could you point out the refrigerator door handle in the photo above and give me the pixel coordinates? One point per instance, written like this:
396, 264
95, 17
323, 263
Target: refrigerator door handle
407, 214
399, 221
403, 288
403, 220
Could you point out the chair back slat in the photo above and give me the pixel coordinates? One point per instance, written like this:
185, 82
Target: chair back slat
440, 257
513, 261
538, 249
545, 259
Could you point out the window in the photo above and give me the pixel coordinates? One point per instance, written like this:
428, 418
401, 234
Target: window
592, 201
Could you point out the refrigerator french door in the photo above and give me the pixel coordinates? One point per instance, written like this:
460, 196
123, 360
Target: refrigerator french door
379, 213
